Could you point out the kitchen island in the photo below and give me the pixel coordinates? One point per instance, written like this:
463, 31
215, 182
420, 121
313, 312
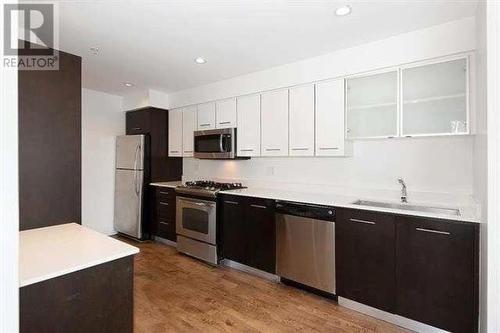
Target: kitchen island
74, 279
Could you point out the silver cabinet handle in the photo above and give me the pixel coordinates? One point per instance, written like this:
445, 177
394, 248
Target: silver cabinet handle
231, 202
174, 151
361, 221
300, 148
246, 149
165, 223
163, 192
258, 206
136, 129
188, 151
273, 149
224, 122
203, 125
433, 231
163, 203
328, 148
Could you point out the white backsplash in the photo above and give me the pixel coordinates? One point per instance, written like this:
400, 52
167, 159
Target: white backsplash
438, 168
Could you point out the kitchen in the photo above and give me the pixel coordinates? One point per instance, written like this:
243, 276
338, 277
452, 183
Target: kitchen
340, 186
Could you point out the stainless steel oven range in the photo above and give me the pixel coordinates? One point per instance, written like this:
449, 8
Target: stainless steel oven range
196, 218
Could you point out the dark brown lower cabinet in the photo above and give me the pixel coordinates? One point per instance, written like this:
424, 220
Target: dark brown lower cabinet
419, 268
437, 274
365, 260
163, 212
248, 231
97, 299
233, 223
261, 233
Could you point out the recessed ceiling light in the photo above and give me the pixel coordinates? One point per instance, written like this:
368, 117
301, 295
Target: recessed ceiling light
343, 11
200, 60
128, 84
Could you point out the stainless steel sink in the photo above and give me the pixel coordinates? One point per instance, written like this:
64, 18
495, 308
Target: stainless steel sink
404, 206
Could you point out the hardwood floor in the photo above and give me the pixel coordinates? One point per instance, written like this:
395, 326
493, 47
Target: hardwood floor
175, 293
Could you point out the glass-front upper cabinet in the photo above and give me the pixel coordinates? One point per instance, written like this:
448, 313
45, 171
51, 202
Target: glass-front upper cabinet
372, 106
435, 98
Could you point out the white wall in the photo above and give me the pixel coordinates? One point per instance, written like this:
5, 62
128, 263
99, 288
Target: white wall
480, 153
135, 99
436, 165
102, 121
443, 164
493, 92
141, 98
453, 37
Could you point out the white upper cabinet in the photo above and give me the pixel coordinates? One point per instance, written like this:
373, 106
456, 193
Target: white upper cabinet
226, 113
248, 132
301, 127
206, 116
435, 98
175, 132
274, 123
330, 118
372, 106
188, 128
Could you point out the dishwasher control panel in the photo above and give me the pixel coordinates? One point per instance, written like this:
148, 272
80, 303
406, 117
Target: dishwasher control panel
319, 212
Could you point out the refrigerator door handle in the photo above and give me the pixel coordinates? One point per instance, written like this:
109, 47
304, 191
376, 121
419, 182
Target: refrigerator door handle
136, 155
137, 151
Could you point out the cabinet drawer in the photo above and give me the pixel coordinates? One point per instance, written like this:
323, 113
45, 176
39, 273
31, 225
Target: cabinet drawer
166, 208
165, 228
165, 194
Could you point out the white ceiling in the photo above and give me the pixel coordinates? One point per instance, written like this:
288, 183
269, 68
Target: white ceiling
153, 44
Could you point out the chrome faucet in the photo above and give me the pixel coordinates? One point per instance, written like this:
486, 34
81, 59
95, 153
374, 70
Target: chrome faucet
403, 190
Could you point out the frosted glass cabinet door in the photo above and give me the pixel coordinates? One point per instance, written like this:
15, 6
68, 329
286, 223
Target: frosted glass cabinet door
372, 106
435, 98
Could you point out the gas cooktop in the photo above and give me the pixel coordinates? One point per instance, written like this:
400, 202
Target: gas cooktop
207, 188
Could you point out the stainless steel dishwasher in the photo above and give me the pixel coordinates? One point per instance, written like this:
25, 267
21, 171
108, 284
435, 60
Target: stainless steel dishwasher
305, 244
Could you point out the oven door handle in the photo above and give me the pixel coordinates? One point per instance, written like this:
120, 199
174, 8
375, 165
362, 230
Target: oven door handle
190, 202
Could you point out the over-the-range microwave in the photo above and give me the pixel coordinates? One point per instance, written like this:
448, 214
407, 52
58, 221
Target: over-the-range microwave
216, 144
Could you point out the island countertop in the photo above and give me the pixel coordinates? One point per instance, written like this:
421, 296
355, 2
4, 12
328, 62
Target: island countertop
49, 252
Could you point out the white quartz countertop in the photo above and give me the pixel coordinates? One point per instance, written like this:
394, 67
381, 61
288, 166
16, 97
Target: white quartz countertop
167, 184
49, 252
469, 212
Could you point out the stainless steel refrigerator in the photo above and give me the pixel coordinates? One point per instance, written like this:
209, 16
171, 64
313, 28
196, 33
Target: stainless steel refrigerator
129, 185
